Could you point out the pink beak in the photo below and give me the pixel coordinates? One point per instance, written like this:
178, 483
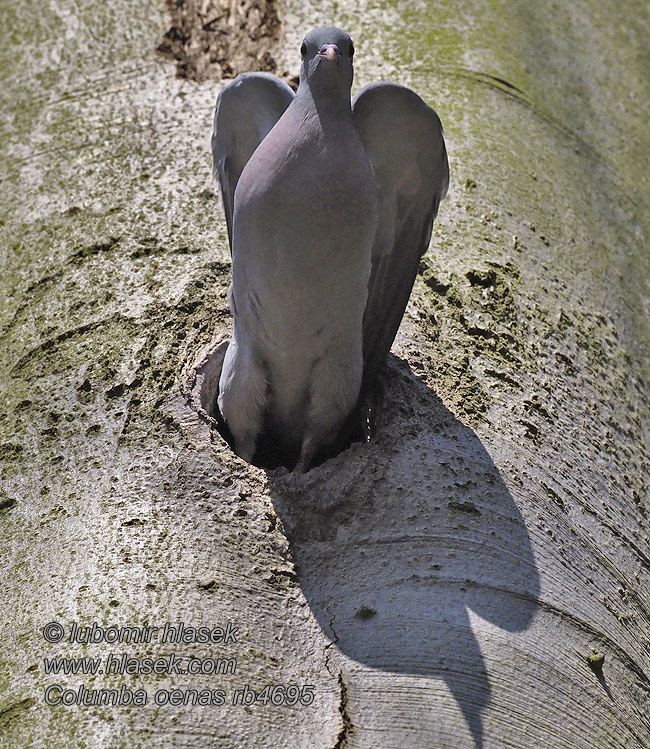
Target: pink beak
329, 52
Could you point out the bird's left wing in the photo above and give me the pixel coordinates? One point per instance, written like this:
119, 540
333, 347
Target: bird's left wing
403, 139
246, 110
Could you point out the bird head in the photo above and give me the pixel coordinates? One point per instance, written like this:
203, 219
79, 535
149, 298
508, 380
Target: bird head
327, 54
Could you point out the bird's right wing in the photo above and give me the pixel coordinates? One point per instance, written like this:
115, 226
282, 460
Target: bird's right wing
247, 108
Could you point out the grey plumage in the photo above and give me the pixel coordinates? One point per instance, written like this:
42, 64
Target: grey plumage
246, 110
329, 207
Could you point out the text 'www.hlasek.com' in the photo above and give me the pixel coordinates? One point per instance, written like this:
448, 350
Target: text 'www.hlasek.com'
117, 663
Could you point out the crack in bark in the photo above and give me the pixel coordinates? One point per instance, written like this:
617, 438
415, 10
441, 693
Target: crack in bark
347, 729
329, 645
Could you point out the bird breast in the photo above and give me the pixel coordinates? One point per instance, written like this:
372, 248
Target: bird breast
303, 234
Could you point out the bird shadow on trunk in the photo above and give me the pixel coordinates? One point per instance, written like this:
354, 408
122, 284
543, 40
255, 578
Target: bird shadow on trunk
395, 540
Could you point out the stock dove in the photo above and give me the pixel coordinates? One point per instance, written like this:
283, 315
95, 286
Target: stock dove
329, 206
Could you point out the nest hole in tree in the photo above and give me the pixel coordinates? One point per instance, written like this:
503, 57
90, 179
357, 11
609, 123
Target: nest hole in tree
271, 453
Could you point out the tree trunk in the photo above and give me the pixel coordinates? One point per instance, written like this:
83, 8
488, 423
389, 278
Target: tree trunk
477, 574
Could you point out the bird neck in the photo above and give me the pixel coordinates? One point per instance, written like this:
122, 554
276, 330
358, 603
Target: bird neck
328, 101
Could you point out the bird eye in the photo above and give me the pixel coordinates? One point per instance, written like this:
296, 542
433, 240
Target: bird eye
303, 49
351, 50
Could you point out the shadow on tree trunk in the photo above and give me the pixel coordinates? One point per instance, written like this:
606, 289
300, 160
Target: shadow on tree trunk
391, 572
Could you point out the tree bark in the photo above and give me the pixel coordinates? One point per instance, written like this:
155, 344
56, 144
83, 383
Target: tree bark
475, 575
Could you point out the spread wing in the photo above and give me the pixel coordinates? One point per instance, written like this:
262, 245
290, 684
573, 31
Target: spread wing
247, 108
403, 139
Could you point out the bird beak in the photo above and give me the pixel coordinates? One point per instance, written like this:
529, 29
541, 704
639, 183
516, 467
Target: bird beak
330, 52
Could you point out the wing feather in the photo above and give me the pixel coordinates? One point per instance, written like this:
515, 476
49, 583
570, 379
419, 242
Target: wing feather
404, 142
246, 110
